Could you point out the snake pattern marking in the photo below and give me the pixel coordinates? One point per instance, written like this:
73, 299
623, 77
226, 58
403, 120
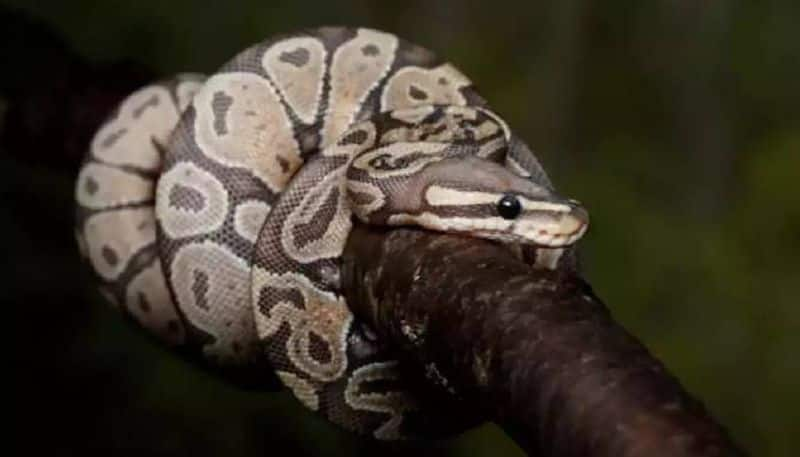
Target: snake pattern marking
261, 170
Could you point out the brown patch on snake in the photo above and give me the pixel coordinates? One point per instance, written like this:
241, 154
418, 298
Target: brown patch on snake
357, 137
186, 198
111, 257
112, 138
370, 50
416, 93
220, 104
298, 57
144, 305
200, 289
91, 186
152, 102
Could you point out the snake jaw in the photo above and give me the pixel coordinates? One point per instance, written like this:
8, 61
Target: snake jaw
553, 230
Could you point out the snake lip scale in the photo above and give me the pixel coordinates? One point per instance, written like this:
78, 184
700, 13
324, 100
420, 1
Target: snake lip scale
214, 210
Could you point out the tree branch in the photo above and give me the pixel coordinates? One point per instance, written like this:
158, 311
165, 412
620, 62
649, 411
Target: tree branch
537, 351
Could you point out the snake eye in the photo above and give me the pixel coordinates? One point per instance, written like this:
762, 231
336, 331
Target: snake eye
509, 207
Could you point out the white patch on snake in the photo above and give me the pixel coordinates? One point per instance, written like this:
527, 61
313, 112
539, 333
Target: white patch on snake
297, 67
324, 315
436, 195
190, 201
301, 389
548, 258
466, 112
395, 403
331, 243
486, 129
358, 66
187, 88
101, 186
241, 123
148, 301
414, 86
249, 217
211, 286
516, 168
357, 190
145, 117
113, 237
383, 162
413, 116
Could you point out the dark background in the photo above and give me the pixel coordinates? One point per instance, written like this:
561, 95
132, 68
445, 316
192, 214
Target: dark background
677, 123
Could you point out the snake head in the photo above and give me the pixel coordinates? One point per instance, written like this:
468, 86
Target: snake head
475, 197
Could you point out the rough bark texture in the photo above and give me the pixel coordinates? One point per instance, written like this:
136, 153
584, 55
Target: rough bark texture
537, 351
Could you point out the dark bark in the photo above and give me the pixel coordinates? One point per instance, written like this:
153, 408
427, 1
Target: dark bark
537, 351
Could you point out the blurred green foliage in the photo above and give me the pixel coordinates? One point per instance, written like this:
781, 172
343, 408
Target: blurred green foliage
676, 122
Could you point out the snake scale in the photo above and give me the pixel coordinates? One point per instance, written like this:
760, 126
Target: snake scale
214, 212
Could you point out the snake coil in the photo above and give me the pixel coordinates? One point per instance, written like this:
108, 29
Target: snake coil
214, 212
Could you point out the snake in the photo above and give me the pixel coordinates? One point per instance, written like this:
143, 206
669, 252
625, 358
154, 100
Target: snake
214, 211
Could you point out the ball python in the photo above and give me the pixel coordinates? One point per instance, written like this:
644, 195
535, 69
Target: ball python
214, 212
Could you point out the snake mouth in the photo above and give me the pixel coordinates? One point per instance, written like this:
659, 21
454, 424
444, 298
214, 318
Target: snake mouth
554, 231
550, 239
540, 238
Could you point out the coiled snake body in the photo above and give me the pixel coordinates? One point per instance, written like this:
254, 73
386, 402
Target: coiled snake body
261, 170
